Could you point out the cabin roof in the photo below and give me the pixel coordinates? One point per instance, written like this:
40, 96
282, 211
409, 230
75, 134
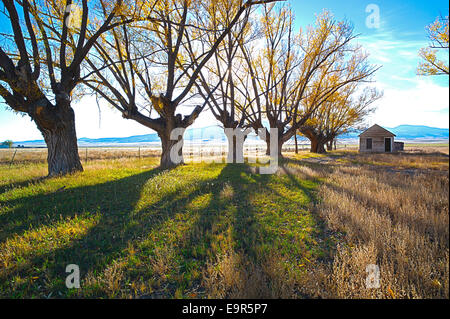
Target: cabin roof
376, 130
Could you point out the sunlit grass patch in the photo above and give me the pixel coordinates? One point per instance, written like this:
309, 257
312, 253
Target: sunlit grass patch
33, 243
220, 230
135, 230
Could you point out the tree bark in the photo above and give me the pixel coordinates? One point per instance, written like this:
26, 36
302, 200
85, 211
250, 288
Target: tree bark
268, 144
280, 145
234, 149
167, 161
296, 143
57, 125
317, 145
330, 146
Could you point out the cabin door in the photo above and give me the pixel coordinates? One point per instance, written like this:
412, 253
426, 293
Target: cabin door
387, 144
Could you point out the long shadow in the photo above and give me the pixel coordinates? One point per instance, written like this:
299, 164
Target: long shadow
238, 212
4, 188
213, 221
233, 211
294, 182
115, 197
238, 206
120, 223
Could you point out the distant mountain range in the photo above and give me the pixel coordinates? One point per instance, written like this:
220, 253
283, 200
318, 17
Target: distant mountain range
210, 133
419, 131
412, 133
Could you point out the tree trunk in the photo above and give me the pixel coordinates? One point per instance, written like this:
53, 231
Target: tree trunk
234, 149
296, 143
280, 147
167, 161
58, 129
317, 145
330, 146
268, 145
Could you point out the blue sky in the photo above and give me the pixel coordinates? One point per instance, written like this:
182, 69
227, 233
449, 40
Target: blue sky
408, 98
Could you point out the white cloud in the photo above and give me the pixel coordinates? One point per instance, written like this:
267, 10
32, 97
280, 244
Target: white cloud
426, 103
386, 49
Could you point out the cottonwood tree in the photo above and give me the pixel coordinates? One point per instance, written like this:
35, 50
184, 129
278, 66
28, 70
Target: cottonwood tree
270, 62
40, 67
342, 111
438, 34
290, 63
221, 80
145, 71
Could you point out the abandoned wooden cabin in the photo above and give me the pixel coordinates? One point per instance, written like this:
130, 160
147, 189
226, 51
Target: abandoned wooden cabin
378, 140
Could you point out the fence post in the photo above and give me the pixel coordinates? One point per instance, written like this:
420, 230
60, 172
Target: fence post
139, 152
12, 160
86, 154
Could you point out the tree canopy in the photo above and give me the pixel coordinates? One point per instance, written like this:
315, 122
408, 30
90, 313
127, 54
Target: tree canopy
432, 62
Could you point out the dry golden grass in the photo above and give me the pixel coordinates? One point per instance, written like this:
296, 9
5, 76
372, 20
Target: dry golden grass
422, 160
219, 231
233, 275
396, 219
39, 155
427, 148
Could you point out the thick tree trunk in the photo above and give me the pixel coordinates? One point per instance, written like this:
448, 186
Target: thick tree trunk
63, 157
167, 161
57, 125
280, 147
317, 145
234, 149
330, 146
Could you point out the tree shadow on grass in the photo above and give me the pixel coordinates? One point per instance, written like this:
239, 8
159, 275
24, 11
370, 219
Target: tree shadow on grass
235, 222
208, 236
229, 221
118, 225
9, 186
226, 225
31, 212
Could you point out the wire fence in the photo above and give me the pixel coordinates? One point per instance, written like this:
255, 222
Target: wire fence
14, 156
39, 155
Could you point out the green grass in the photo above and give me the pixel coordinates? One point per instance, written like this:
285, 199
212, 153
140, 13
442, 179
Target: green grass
135, 230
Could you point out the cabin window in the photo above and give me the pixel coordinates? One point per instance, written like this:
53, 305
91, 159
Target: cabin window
369, 144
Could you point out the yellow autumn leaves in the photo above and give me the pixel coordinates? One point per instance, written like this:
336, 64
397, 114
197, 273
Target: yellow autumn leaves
431, 64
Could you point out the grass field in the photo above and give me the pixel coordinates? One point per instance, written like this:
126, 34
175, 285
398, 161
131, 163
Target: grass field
220, 231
